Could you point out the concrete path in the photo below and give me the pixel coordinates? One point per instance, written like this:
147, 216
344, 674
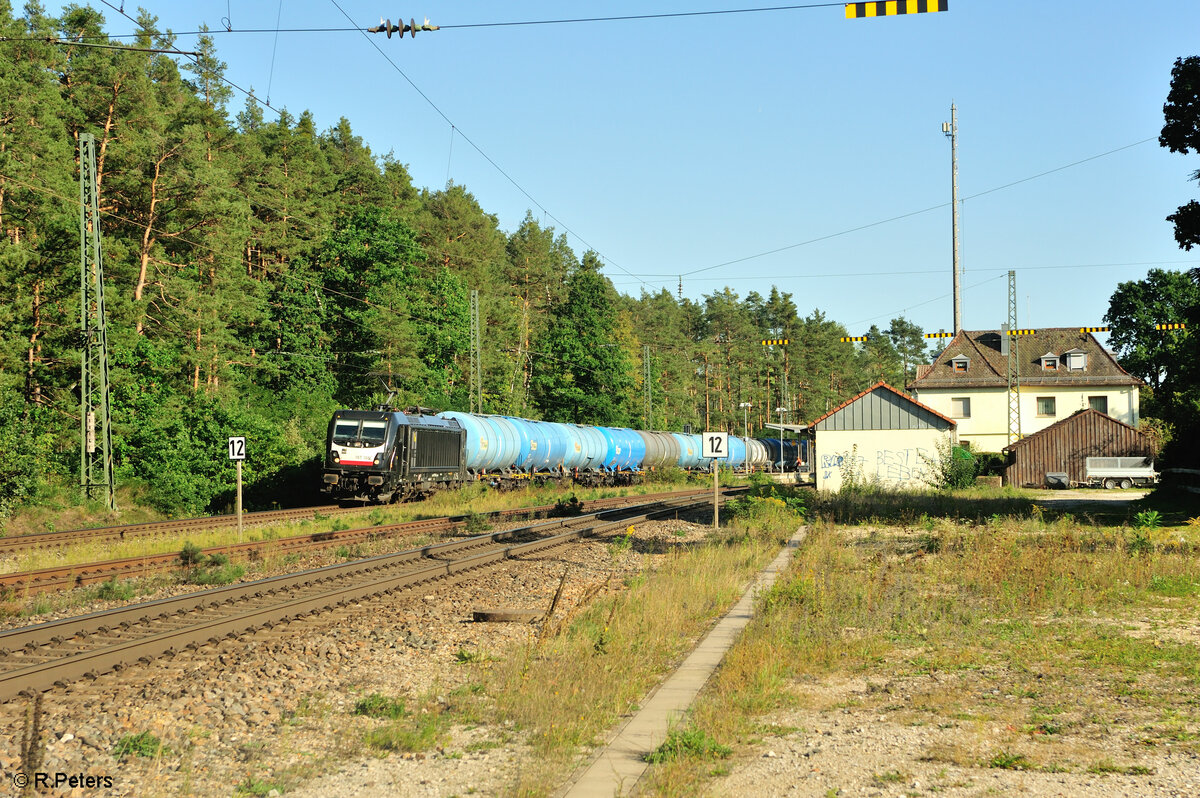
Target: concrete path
617, 768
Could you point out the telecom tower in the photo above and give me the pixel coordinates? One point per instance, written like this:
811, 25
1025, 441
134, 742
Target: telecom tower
95, 461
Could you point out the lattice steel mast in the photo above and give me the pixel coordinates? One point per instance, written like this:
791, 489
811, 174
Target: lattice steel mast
476, 357
95, 461
647, 391
1014, 360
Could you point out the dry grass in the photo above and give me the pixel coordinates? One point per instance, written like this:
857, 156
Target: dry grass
1035, 626
474, 499
563, 692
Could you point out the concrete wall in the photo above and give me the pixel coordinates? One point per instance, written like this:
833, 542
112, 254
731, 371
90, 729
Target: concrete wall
894, 458
987, 428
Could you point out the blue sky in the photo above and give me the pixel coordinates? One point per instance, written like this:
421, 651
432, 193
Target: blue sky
674, 145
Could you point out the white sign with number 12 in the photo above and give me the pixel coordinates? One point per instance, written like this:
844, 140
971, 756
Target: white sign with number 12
715, 445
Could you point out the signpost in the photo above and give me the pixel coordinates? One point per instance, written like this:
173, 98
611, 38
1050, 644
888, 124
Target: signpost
237, 453
715, 445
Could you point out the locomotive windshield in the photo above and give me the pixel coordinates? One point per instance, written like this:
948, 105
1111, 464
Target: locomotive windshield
352, 432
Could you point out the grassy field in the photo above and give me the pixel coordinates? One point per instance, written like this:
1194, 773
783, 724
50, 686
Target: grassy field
1077, 636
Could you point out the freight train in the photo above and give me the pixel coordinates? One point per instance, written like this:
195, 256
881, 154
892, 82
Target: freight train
387, 455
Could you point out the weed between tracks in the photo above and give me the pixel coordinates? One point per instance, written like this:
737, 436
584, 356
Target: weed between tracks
566, 689
477, 501
1047, 645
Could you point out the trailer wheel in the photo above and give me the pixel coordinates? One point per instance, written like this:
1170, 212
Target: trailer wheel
1110, 483
1127, 483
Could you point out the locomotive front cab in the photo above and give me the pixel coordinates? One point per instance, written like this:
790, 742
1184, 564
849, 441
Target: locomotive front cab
360, 454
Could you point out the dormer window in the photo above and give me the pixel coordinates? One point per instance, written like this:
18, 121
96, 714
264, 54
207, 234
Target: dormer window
1076, 360
1049, 362
959, 364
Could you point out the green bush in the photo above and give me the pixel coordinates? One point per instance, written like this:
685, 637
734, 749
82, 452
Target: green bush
953, 467
222, 575
112, 590
477, 523
567, 508
767, 497
191, 555
1149, 519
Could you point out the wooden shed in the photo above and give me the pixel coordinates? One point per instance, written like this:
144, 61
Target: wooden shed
881, 436
1064, 448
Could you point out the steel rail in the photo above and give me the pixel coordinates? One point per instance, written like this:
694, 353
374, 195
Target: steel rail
328, 588
70, 537
64, 577
44, 540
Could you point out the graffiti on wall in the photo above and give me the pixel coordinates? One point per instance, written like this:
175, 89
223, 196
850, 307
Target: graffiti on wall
891, 465
849, 463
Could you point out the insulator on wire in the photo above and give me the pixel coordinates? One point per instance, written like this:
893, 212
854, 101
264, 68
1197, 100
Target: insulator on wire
386, 26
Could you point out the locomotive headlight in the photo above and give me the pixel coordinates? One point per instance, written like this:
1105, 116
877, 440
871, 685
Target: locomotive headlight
335, 457
378, 458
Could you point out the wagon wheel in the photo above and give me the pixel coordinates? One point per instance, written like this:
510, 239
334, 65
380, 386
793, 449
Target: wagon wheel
1127, 483
1110, 483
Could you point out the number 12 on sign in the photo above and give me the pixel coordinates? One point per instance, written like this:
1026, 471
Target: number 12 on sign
715, 446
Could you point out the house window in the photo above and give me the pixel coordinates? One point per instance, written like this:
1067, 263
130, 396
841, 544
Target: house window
960, 407
1050, 364
1098, 403
1076, 361
1045, 406
960, 364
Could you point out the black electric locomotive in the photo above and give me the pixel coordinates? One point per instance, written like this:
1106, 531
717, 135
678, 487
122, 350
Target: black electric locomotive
386, 455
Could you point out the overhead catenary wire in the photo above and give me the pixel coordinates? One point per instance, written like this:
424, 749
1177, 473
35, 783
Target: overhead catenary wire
644, 282
901, 216
274, 48
608, 261
74, 43
536, 22
907, 272
921, 304
639, 276
195, 58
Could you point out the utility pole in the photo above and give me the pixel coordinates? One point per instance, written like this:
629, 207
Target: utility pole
95, 456
649, 396
951, 130
476, 359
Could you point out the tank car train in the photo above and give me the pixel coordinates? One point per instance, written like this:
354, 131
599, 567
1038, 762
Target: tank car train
386, 455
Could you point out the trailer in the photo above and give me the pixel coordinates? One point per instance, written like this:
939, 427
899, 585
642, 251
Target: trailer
1122, 472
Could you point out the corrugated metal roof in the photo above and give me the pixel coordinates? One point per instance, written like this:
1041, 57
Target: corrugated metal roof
882, 407
989, 368
1065, 446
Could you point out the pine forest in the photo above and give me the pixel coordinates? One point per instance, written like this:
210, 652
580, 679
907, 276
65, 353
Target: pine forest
262, 272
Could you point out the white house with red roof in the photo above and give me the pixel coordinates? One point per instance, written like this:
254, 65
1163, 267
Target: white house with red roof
1059, 371
881, 436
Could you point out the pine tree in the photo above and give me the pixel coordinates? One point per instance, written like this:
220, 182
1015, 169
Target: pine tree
581, 372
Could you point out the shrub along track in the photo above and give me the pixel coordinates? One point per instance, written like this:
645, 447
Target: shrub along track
66, 577
36, 658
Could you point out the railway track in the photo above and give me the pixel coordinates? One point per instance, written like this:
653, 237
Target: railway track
66, 577
108, 534
36, 658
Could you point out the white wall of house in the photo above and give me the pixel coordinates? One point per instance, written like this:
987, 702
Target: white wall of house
987, 427
895, 458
